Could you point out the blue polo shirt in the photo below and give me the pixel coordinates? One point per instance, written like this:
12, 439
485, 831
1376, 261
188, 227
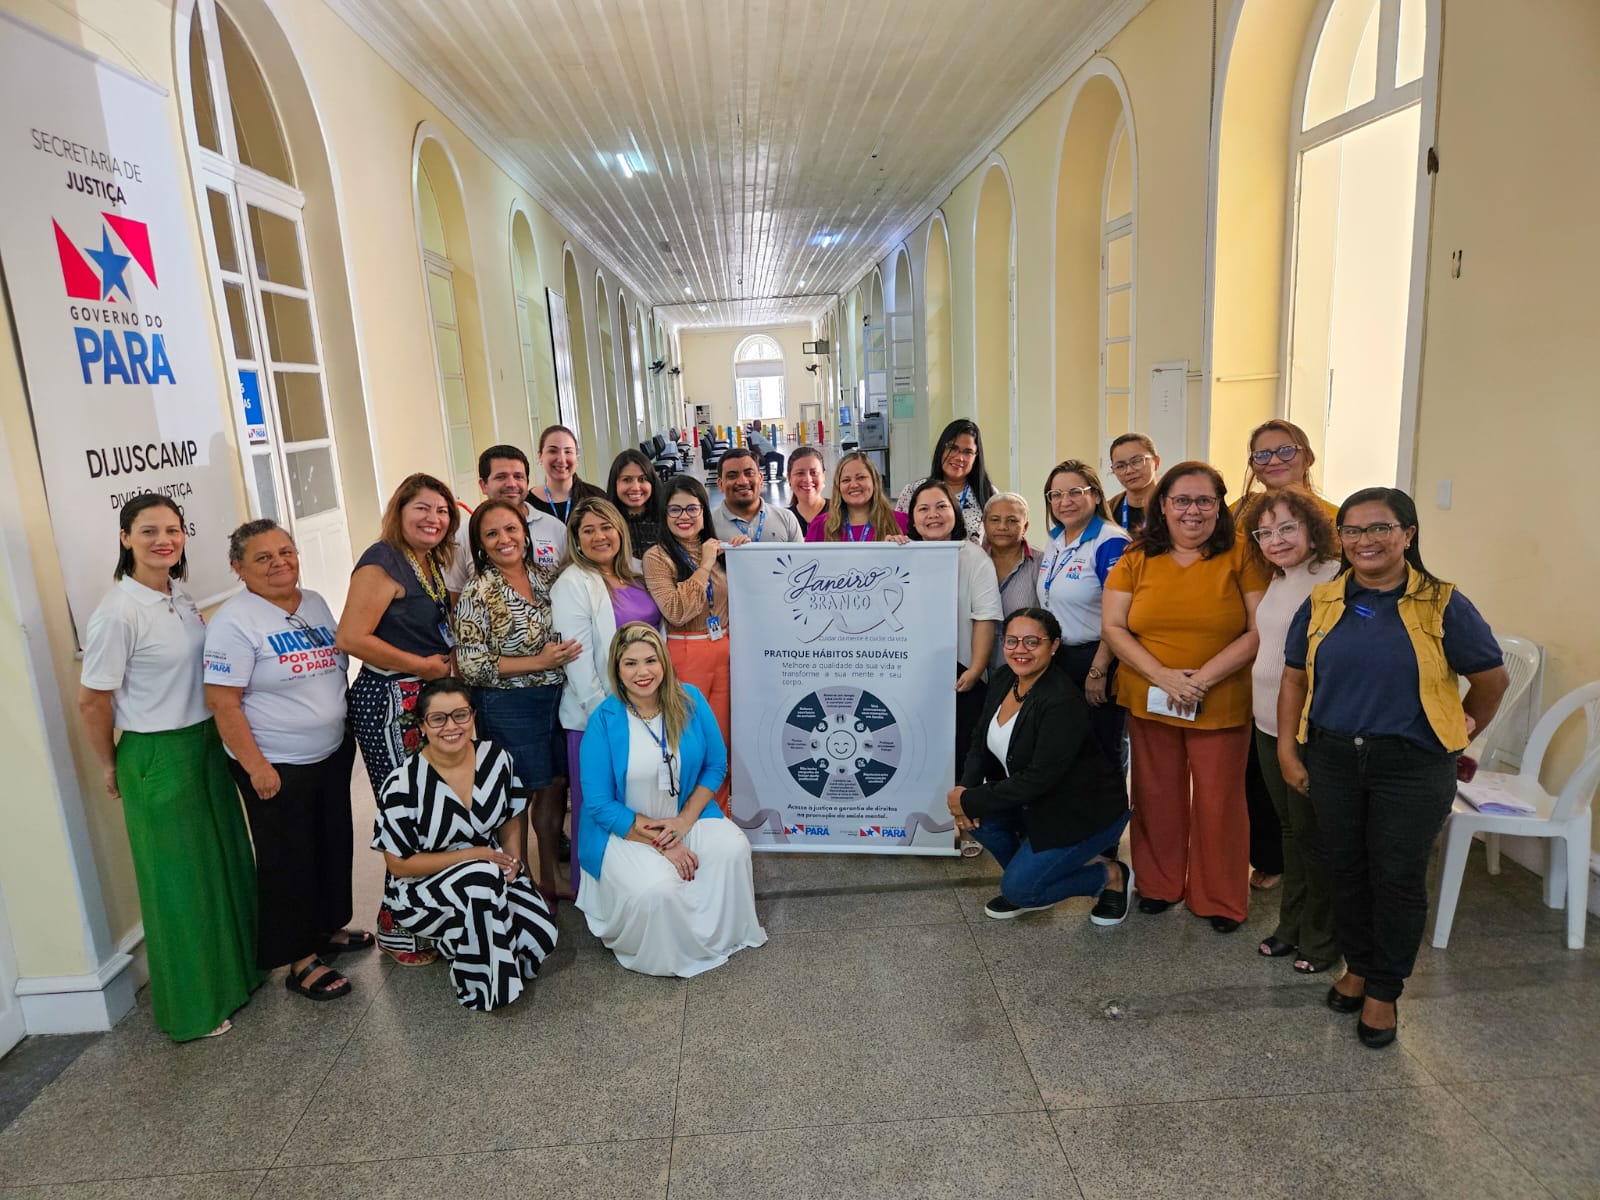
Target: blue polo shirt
1367, 670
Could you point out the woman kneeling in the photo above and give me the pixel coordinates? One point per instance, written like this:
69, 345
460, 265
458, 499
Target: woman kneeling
449, 830
666, 881
1037, 792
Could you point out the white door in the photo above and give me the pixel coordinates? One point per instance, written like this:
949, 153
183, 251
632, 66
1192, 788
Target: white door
904, 453
11, 1027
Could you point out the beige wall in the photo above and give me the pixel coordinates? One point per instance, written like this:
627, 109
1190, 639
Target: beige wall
707, 360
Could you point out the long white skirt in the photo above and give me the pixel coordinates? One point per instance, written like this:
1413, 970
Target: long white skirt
656, 923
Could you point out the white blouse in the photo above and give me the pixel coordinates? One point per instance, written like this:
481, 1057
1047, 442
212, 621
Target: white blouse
147, 649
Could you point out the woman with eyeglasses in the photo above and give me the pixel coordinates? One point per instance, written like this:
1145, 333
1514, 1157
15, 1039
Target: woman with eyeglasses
687, 579
276, 683
449, 826
1034, 788
808, 482
1370, 685
934, 518
1280, 457
1179, 614
1085, 544
958, 464
397, 621
598, 592
858, 511
1137, 466
513, 657
667, 882
143, 651
632, 489
1293, 541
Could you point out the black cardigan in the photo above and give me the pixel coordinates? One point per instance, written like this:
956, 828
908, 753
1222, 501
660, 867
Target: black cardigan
1056, 780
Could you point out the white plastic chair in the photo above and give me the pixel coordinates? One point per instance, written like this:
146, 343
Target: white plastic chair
1501, 740
1565, 817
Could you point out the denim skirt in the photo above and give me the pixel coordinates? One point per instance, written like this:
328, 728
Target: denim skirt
523, 720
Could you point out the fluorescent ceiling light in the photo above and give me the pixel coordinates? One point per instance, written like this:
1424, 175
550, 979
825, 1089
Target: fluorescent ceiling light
627, 168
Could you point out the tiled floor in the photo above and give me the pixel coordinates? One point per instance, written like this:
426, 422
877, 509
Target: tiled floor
889, 1041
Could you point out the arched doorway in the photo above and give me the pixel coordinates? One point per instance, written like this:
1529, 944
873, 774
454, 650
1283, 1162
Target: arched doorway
758, 380
939, 341
533, 328
907, 418
994, 325
606, 410
577, 404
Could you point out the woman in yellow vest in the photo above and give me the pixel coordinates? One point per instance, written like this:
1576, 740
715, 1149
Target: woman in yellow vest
1370, 682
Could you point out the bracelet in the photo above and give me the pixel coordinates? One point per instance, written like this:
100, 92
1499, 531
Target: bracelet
1096, 673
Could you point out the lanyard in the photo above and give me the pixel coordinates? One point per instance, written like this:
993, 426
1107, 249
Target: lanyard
1125, 511
713, 622
966, 490
1062, 560
745, 529
661, 744
551, 501
850, 531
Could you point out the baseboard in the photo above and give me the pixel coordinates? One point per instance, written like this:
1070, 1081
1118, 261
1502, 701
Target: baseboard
1533, 853
132, 944
78, 1003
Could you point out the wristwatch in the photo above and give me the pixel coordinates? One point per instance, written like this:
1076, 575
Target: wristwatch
1096, 673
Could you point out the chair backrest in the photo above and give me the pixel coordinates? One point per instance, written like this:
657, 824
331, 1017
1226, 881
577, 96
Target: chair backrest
1503, 738
1587, 698
1578, 792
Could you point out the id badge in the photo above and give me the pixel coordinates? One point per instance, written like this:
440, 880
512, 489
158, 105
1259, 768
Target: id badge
448, 635
714, 628
664, 776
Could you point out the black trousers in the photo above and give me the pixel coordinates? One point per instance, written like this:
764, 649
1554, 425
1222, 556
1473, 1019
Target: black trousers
1380, 803
304, 847
1266, 830
1109, 721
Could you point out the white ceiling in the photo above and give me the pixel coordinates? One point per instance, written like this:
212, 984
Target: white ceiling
756, 130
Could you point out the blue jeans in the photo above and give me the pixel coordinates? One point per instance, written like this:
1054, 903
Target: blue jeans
1036, 878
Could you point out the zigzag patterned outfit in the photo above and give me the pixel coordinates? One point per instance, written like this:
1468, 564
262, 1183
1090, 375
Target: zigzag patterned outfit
495, 933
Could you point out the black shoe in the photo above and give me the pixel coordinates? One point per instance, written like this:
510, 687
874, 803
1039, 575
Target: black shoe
1224, 924
1112, 907
1340, 1003
563, 848
1377, 1039
1275, 947
1148, 904
1002, 909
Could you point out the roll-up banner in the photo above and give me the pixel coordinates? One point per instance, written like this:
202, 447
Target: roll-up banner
843, 681
107, 297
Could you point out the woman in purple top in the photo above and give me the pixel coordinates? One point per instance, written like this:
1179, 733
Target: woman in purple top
597, 593
859, 511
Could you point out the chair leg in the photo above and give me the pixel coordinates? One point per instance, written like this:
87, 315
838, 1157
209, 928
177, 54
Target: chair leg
1556, 875
1577, 845
1491, 852
1458, 839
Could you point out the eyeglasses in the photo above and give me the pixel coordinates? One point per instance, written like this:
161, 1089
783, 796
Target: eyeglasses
1285, 531
1129, 464
1075, 493
1379, 529
1031, 642
954, 451
683, 510
438, 720
1282, 453
300, 625
1199, 503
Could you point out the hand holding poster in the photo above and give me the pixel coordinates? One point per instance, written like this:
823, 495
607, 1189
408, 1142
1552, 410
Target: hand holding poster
843, 680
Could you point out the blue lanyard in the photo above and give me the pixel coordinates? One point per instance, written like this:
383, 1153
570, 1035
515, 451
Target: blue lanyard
1125, 511
745, 529
966, 491
1060, 561
661, 743
712, 623
850, 531
551, 501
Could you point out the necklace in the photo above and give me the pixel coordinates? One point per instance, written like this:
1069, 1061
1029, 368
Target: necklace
1016, 690
429, 578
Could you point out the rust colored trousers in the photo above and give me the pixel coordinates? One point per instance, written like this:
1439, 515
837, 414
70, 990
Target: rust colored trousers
704, 663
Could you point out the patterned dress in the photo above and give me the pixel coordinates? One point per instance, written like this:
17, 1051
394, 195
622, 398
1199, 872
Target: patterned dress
495, 932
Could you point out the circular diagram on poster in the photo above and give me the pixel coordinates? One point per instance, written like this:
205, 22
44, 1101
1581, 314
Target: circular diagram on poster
841, 744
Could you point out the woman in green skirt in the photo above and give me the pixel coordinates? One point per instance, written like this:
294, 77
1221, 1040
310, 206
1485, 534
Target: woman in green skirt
142, 660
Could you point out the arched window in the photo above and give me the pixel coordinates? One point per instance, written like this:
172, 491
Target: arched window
444, 319
1116, 289
758, 378
1358, 156
533, 326
253, 217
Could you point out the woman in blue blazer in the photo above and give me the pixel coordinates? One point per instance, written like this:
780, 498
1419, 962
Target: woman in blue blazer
666, 881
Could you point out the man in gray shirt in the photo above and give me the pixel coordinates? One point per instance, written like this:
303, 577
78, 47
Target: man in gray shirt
741, 511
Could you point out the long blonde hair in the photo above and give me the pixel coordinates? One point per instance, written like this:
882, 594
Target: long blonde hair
621, 566
674, 700
880, 511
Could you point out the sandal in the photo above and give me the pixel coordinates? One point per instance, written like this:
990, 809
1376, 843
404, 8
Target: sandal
330, 985
1313, 966
1264, 881
354, 939
969, 848
1276, 947
412, 958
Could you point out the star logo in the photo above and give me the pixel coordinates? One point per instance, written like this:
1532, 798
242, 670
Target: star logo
108, 275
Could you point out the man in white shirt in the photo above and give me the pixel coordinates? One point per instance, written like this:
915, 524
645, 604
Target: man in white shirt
503, 475
741, 512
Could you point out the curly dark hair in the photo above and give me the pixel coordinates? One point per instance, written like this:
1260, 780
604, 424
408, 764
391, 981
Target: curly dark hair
1155, 538
1305, 507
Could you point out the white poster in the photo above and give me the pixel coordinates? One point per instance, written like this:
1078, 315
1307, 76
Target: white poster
843, 680
108, 302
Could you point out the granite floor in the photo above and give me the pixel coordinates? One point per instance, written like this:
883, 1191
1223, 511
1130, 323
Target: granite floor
888, 1041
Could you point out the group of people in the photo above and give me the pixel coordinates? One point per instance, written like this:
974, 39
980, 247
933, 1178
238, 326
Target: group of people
571, 643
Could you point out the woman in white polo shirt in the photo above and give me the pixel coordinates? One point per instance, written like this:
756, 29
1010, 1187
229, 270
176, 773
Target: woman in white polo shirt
1085, 543
191, 855
276, 683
